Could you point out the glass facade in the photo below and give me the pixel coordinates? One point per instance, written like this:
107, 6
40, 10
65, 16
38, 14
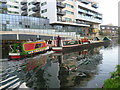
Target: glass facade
67, 28
14, 22
30, 24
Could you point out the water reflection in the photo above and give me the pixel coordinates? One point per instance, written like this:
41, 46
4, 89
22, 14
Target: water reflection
54, 70
77, 66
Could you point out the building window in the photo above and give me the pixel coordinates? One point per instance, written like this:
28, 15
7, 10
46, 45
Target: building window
20, 23
103, 27
29, 3
27, 26
108, 27
44, 3
59, 18
70, 0
13, 6
69, 12
69, 6
13, 12
7, 22
68, 19
43, 11
30, 9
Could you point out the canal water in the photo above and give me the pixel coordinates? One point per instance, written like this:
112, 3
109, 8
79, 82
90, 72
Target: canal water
79, 69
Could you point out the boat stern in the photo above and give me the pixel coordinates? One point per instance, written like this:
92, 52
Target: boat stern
14, 55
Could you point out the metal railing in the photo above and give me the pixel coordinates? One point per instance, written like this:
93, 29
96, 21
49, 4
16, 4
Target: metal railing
50, 32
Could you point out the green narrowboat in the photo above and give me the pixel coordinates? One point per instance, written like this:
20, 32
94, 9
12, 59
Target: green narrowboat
20, 50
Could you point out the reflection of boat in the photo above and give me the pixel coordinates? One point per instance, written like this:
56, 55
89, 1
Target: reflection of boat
19, 50
35, 64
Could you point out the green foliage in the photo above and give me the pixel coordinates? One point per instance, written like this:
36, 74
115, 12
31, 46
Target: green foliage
114, 81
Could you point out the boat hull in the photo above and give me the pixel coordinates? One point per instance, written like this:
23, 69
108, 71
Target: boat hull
14, 56
57, 48
79, 47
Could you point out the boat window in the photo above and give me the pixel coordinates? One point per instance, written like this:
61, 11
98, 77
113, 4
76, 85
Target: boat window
79, 42
70, 42
18, 49
38, 45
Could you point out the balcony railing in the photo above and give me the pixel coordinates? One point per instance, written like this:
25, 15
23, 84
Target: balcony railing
84, 1
61, 13
77, 22
24, 8
35, 3
36, 9
24, 13
95, 6
59, 4
36, 14
23, 3
90, 19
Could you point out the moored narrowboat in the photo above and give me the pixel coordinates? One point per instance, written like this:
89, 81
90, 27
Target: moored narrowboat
66, 44
106, 39
20, 50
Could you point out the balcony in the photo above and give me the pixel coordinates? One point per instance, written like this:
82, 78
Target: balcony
36, 14
23, 3
24, 8
24, 13
82, 11
35, 9
91, 19
61, 13
35, 3
61, 5
84, 1
95, 6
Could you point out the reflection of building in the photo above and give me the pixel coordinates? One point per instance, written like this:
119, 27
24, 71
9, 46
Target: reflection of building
109, 30
77, 67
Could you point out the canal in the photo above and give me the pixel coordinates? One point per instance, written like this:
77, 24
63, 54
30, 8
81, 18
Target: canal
86, 68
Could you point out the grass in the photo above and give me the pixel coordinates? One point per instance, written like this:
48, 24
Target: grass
114, 81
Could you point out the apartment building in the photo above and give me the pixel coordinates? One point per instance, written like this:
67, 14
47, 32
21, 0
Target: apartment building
24, 7
81, 16
109, 30
3, 6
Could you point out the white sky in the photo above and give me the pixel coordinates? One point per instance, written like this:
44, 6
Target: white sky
109, 9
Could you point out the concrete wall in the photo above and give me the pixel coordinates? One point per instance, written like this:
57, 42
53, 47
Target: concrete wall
25, 37
51, 10
8, 37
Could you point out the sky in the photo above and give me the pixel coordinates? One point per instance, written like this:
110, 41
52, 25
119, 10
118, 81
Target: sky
109, 9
